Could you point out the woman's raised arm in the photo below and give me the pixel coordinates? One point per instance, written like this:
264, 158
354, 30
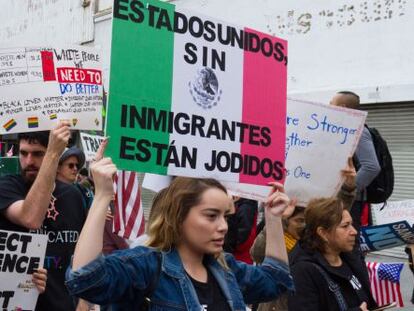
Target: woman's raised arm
90, 241
276, 206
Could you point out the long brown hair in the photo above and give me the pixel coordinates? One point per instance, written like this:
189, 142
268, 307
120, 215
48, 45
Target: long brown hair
172, 207
322, 212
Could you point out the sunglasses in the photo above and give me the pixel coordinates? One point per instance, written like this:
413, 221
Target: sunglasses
73, 165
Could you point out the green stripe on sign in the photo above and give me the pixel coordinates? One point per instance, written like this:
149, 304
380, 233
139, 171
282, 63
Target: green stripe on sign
141, 75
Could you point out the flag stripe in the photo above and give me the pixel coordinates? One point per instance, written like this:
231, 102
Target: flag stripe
116, 220
118, 204
388, 288
130, 182
263, 93
399, 295
129, 220
384, 280
133, 203
139, 227
10, 124
374, 280
153, 73
393, 296
139, 230
122, 203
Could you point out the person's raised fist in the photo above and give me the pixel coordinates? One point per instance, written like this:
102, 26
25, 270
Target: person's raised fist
59, 138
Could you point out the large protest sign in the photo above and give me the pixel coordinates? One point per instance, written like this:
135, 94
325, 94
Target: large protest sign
90, 144
20, 255
376, 238
41, 85
393, 211
191, 95
319, 139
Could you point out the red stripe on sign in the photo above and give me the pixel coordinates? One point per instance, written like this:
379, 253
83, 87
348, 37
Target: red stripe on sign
264, 105
79, 75
48, 66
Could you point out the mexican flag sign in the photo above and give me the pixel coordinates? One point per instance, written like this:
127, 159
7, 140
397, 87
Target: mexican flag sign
194, 96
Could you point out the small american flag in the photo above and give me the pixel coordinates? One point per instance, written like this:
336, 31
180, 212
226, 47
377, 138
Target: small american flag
129, 221
385, 282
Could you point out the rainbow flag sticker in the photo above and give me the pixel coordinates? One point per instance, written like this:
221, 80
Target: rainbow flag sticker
53, 116
33, 122
9, 124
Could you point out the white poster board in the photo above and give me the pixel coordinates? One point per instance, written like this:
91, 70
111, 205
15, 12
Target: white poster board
394, 211
90, 144
42, 85
173, 113
319, 139
21, 254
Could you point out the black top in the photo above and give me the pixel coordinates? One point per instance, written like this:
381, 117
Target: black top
62, 224
312, 290
355, 294
240, 224
210, 295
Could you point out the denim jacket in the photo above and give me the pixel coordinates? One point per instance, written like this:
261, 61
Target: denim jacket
123, 277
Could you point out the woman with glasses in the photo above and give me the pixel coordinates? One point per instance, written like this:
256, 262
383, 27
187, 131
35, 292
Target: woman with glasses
71, 161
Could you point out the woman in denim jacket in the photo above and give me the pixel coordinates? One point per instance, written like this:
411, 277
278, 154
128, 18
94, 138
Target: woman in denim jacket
185, 253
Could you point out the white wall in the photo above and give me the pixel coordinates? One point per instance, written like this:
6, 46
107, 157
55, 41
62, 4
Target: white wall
102, 41
360, 45
37, 22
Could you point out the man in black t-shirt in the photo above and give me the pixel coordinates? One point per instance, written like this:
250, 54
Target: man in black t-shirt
34, 201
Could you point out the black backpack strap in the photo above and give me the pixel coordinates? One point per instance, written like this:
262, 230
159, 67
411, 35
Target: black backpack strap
153, 285
333, 287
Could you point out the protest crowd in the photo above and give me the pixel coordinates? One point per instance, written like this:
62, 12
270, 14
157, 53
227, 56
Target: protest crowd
245, 216
202, 246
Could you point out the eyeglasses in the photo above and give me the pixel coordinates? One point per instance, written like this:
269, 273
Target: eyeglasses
73, 165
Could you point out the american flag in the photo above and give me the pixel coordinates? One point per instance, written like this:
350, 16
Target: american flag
385, 282
129, 221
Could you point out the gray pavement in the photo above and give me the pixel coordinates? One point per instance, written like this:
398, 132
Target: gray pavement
406, 280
